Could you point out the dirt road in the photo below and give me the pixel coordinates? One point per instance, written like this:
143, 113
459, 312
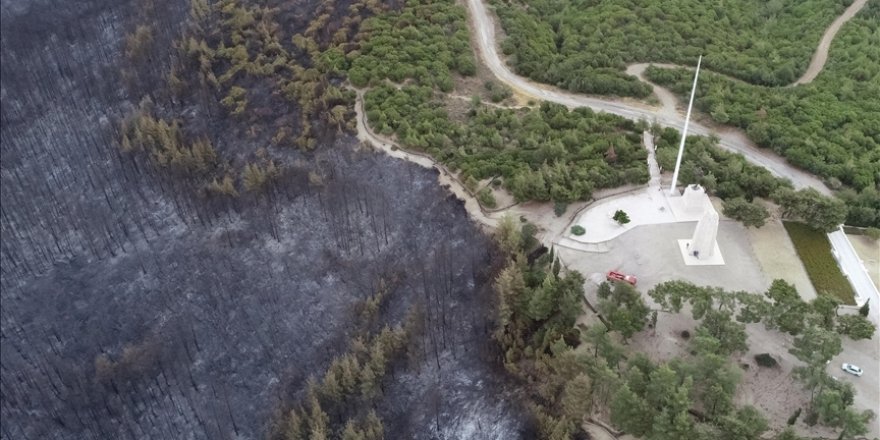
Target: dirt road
820, 56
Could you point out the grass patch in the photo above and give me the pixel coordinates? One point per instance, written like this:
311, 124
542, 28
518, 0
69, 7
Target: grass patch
814, 250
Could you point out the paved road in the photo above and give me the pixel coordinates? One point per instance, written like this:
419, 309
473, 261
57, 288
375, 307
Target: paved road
858, 276
729, 139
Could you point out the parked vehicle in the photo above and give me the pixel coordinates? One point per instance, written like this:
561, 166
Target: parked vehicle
617, 276
852, 369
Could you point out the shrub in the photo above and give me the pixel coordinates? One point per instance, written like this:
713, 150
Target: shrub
471, 184
621, 217
872, 232
529, 241
811, 418
855, 327
486, 198
685, 334
559, 208
578, 230
498, 92
765, 360
793, 419
748, 213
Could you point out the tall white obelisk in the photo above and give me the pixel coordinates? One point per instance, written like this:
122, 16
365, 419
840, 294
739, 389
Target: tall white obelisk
687, 120
703, 241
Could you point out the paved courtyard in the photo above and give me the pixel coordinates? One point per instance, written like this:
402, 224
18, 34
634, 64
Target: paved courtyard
651, 253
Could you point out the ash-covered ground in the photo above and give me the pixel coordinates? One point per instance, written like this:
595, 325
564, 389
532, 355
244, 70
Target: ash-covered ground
134, 308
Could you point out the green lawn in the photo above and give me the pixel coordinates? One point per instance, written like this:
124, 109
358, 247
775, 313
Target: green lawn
814, 250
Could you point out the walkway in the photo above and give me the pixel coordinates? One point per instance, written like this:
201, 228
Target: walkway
855, 271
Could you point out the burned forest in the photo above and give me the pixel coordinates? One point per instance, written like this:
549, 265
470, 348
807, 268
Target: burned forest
194, 242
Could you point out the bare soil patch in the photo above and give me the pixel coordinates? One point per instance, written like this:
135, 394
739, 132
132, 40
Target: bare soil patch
868, 250
777, 257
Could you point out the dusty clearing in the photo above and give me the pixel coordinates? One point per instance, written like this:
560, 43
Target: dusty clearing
869, 252
778, 259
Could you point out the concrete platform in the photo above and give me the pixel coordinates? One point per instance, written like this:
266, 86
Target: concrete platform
651, 206
689, 260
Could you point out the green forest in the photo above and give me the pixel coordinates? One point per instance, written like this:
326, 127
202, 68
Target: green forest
584, 45
540, 154
424, 42
549, 153
574, 370
830, 127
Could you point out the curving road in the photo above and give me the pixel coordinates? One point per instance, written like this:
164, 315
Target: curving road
821, 54
729, 138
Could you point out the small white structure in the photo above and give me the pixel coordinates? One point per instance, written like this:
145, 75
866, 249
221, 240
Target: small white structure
695, 199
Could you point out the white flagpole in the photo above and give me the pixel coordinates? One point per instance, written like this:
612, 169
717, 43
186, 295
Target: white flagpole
687, 120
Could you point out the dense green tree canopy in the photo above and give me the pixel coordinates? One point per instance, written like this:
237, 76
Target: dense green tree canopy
584, 45
426, 41
548, 153
830, 127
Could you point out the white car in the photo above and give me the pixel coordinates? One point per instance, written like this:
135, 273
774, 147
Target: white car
852, 369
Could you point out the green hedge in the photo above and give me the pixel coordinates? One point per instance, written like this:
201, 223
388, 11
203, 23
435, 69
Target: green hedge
814, 250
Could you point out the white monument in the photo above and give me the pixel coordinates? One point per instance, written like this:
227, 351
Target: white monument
702, 246
702, 249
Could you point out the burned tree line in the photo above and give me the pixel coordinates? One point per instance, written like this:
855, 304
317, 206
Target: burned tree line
136, 346
140, 303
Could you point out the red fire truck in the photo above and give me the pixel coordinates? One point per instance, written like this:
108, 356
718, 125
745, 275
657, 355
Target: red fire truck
617, 276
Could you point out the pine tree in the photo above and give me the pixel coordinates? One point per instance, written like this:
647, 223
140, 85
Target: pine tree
351, 432
543, 301
253, 177
373, 429
576, 397
294, 429
318, 420
330, 387
368, 382
630, 412
350, 372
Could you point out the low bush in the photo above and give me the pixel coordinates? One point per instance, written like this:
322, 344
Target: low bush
793, 419
486, 198
685, 334
811, 418
559, 208
578, 230
765, 360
